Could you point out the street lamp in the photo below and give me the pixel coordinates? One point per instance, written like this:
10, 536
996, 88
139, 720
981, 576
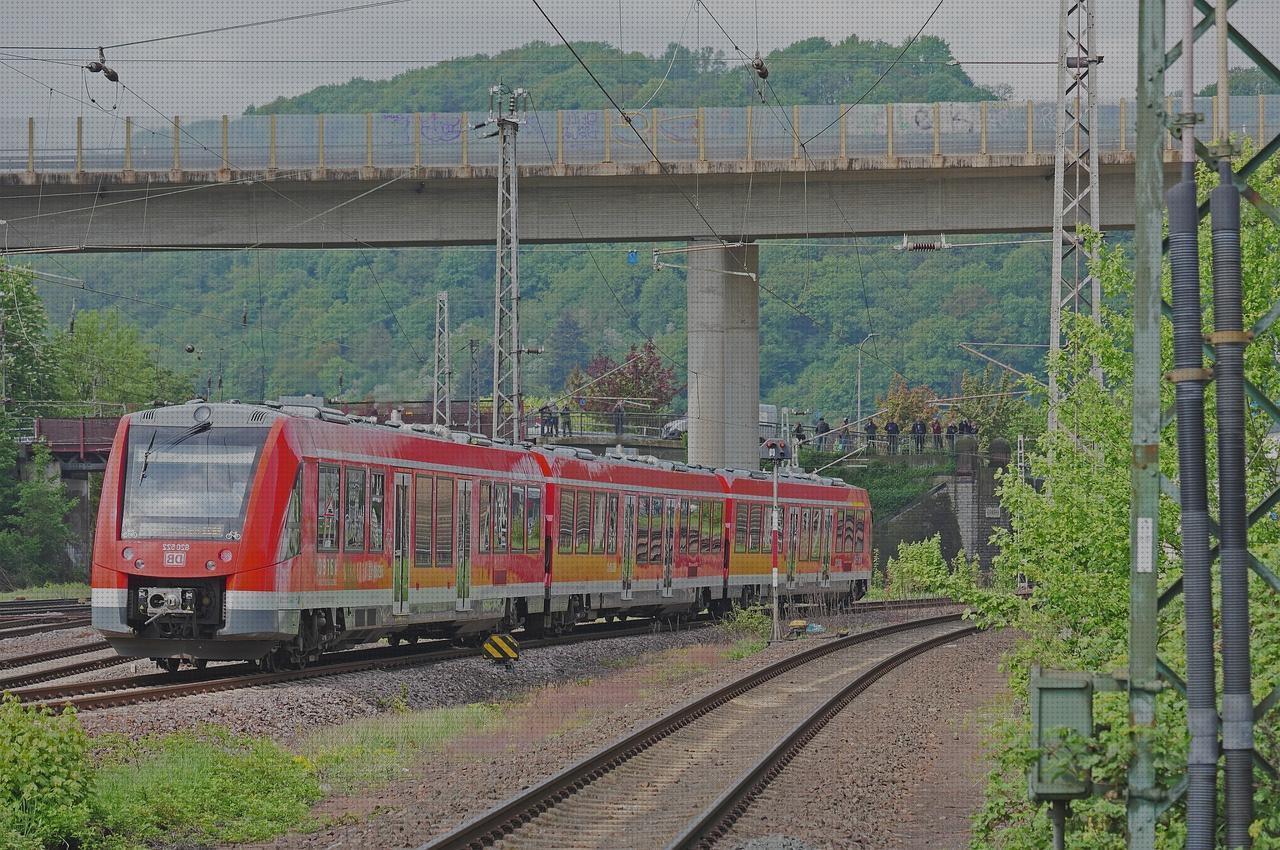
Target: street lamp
864, 342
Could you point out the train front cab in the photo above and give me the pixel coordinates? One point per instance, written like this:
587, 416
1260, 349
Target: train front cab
192, 507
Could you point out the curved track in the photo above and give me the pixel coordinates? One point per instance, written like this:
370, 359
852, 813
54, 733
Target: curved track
685, 778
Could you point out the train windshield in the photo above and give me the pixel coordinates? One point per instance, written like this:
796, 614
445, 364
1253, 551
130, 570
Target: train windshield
188, 482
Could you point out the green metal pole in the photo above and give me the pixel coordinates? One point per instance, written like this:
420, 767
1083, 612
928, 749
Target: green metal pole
1144, 523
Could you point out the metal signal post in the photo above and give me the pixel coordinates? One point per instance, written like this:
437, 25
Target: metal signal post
507, 402
1075, 183
443, 374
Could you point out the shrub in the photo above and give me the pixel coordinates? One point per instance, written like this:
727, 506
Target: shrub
749, 623
44, 786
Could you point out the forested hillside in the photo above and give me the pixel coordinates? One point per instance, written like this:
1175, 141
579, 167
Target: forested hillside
359, 323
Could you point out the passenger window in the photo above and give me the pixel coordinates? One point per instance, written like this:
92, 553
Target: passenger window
815, 534
354, 515
517, 519
684, 525
598, 525
444, 522
756, 528
566, 522
533, 519
422, 517
655, 530
486, 521
582, 524
740, 526
501, 495
291, 534
377, 499
802, 554
717, 526
327, 509
642, 531
695, 527
859, 531
611, 526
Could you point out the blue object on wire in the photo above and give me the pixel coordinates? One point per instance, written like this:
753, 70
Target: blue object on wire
633, 257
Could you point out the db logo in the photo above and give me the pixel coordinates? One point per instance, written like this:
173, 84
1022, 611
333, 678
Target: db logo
175, 559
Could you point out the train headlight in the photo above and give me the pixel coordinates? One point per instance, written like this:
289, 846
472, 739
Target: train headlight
210, 565
225, 556
127, 554
139, 563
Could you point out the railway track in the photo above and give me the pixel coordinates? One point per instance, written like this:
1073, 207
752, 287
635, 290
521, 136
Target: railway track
682, 781
12, 631
20, 607
130, 690
14, 661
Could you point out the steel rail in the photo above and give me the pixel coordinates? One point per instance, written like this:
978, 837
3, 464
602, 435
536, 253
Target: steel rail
506, 817
23, 680
23, 631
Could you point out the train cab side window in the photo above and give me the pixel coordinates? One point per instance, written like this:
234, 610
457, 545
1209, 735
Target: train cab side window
655, 530
598, 524
291, 534
860, 526
565, 545
611, 526
354, 516
533, 519
517, 519
444, 522
327, 495
582, 524
501, 496
756, 528
377, 504
717, 526
740, 527
486, 514
423, 514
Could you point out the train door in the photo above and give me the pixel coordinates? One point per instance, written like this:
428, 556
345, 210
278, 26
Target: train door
401, 553
793, 544
462, 568
668, 547
824, 578
628, 545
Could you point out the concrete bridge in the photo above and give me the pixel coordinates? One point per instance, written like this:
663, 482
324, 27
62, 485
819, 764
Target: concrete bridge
107, 183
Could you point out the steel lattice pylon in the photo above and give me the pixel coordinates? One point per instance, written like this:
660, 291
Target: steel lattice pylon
443, 373
1075, 183
507, 411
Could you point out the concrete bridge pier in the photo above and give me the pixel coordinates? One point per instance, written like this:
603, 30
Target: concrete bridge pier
724, 355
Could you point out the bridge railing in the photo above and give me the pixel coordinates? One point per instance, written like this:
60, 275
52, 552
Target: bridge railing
107, 142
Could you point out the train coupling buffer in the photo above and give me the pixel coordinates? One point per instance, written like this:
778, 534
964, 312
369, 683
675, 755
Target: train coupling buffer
502, 649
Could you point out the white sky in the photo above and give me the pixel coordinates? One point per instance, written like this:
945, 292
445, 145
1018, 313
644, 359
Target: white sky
224, 73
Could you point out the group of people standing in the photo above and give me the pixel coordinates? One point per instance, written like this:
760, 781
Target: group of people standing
843, 438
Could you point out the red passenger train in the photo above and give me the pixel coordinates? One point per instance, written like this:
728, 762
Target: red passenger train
276, 532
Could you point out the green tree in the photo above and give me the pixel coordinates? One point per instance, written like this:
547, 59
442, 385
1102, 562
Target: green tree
26, 377
566, 350
33, 528
101, 358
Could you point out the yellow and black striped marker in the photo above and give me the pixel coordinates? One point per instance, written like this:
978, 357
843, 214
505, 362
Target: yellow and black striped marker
502, 648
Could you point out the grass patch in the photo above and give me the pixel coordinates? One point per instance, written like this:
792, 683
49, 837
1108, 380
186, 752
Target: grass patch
67, 590
749, 623
208, 786
375, 750
671, 667
745, 648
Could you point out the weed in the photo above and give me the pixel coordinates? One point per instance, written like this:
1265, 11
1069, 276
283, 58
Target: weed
67, 590
373, 750
202, 787
745, 648
44, 792
753, 622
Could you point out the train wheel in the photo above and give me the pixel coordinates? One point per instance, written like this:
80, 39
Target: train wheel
200, 663
169, 665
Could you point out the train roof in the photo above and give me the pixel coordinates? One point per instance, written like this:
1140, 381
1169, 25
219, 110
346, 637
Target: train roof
559, 462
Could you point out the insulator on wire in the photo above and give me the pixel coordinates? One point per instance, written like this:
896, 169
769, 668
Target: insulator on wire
761, 71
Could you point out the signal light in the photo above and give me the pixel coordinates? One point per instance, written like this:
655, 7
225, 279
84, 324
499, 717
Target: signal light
127, 554
225, 555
